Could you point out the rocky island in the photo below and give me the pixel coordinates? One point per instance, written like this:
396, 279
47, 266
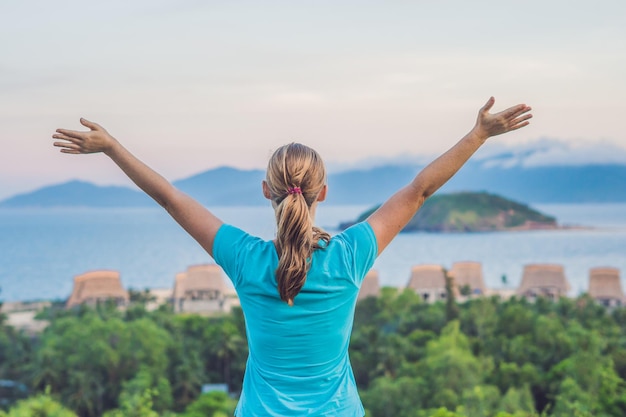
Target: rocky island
472, 212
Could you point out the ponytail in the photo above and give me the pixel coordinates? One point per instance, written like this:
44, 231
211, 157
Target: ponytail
295, 176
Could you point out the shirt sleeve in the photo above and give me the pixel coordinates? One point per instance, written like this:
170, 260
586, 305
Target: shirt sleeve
362, 249
230, 242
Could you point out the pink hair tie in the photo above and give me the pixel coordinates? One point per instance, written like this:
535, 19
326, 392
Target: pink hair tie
294, 190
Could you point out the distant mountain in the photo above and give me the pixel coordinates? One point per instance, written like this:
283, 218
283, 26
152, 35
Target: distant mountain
369, 186
79, 194
471, 212
229, 186
225, 186
545, 184
539, 184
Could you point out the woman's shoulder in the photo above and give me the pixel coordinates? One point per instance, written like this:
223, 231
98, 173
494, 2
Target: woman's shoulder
233, 234
230, 240
349, 254
236, 251
356, 242
358, 232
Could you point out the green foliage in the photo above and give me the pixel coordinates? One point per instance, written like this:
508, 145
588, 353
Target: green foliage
482, 400
16, 351
443, 412
147, 383
140, 296
588, 383
411, 359
99, 360
466, 290
41, 405
517, 400
86, 360
452, 309
135, 405
212, 404
473, 211
390, 397
500, 359
449, 368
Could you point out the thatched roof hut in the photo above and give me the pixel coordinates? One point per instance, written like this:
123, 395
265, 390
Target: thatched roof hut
201, 289
94, 286
429, 281
469, 274
200, 282
370, 286
543, 280
605, 286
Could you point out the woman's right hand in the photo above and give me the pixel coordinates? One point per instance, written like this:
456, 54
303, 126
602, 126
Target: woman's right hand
97, 139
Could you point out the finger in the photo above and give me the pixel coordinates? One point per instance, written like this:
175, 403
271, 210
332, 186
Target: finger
66, 145
488, 105
522, 118
90, 125
519, 122
513, 112
72, 151
523, 110
526, 123
68, 138
71, 133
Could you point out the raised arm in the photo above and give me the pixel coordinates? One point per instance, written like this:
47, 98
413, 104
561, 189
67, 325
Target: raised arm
199, 222
396, 212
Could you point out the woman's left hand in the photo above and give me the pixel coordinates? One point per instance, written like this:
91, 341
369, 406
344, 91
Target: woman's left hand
513, 118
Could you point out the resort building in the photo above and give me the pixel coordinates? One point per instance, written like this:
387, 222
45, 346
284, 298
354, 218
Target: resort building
543, 280
21, 315
202, 289
605, 286
159, 297
468, 276
97, 286
370, 286
429, 281
501, 293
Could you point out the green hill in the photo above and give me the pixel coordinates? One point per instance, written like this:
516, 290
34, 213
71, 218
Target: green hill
472, 212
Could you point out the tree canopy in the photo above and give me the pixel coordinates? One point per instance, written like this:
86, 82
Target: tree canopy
486, 357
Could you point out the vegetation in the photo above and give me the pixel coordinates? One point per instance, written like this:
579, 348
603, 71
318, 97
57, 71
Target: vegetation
471, 212
484, 358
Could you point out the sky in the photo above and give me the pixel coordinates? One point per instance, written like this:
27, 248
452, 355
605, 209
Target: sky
193, 85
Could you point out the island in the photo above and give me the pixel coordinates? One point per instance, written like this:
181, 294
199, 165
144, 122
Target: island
471, 212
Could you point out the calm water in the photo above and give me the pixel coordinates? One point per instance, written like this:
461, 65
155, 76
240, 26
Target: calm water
42, 250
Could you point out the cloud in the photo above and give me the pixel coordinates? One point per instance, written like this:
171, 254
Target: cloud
380, 161
540, 152
546, 151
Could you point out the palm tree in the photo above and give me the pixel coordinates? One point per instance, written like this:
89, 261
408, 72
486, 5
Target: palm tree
225, 342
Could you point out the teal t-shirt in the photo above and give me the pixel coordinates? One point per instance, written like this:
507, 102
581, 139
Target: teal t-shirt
298, 363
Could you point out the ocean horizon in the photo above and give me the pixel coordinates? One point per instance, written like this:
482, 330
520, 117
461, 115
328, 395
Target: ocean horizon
42, 250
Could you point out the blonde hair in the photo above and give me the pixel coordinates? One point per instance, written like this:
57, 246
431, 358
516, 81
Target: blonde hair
295, 177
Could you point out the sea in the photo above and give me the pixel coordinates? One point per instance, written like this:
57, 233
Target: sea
42, 250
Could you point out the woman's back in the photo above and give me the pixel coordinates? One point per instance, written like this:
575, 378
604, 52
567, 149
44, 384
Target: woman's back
298, 358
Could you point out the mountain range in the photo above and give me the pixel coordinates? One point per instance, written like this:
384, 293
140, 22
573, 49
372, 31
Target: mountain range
225, 186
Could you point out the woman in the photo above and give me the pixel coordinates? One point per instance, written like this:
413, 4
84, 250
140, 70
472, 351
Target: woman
298, 292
